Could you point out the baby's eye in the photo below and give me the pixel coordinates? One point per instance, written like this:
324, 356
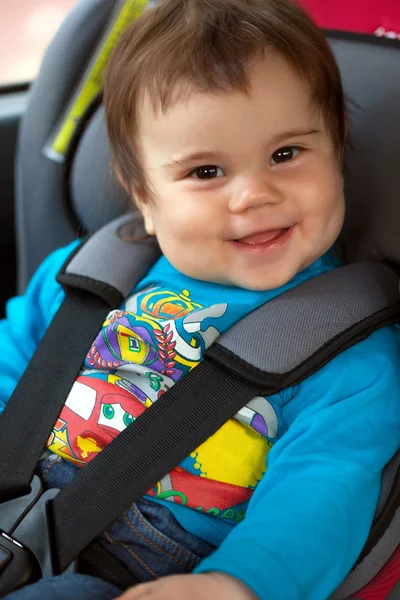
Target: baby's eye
284, 154
207, 172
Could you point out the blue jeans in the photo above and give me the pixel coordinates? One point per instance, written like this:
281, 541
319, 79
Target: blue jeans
67, 587
147, 539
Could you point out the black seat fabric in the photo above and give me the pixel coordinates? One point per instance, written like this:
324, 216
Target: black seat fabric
370, 70
57, 202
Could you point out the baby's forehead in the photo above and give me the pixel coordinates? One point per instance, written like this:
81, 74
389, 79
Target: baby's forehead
270, 68
276, 99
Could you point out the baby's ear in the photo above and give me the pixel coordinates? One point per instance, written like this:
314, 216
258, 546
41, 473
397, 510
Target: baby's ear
118, 177
140, 200
145, 207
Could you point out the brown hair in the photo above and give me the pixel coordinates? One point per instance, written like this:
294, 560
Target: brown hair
207, 45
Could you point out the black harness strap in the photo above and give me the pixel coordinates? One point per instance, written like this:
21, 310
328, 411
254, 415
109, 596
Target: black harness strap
97, 561
26, 424
168, 431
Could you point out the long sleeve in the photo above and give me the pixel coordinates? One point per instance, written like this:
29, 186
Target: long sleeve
27, 318
310, 515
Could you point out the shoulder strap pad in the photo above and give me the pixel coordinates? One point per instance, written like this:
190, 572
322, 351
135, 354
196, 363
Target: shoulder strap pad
108, 264
302, 329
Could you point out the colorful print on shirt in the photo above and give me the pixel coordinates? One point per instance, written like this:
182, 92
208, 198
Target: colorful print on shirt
137, 356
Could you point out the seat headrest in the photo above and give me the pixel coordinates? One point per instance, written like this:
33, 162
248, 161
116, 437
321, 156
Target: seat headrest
370, 69
50, 205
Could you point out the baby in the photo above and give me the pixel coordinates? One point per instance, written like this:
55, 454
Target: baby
227, 127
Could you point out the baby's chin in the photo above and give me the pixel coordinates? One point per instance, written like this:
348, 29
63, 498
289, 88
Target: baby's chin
259, 279
260, 283
260, 286
268, 279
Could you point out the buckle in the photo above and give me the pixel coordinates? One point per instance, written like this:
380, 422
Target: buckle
5, 557
25, 545
18, 565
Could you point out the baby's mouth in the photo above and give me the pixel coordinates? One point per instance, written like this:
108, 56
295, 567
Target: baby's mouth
263, 237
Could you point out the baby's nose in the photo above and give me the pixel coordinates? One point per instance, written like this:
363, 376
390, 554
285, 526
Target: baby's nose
255, 195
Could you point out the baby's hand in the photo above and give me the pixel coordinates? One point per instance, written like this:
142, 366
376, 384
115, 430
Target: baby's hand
213, 586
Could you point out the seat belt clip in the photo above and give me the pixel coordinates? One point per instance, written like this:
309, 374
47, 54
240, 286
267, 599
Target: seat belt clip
25, 538
18, 565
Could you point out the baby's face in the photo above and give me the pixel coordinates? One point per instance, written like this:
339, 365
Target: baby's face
247, 188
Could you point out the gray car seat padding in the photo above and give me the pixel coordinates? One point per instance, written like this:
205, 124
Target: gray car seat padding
45, 221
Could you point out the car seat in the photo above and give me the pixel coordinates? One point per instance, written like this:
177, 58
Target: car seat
59, 201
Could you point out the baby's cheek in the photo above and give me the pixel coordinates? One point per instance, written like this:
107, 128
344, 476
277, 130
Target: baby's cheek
191, 231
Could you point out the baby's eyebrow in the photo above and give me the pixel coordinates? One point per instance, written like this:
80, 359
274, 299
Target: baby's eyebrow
285, 135
181, 161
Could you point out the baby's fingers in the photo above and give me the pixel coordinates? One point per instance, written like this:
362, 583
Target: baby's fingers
143, 590
173, 587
